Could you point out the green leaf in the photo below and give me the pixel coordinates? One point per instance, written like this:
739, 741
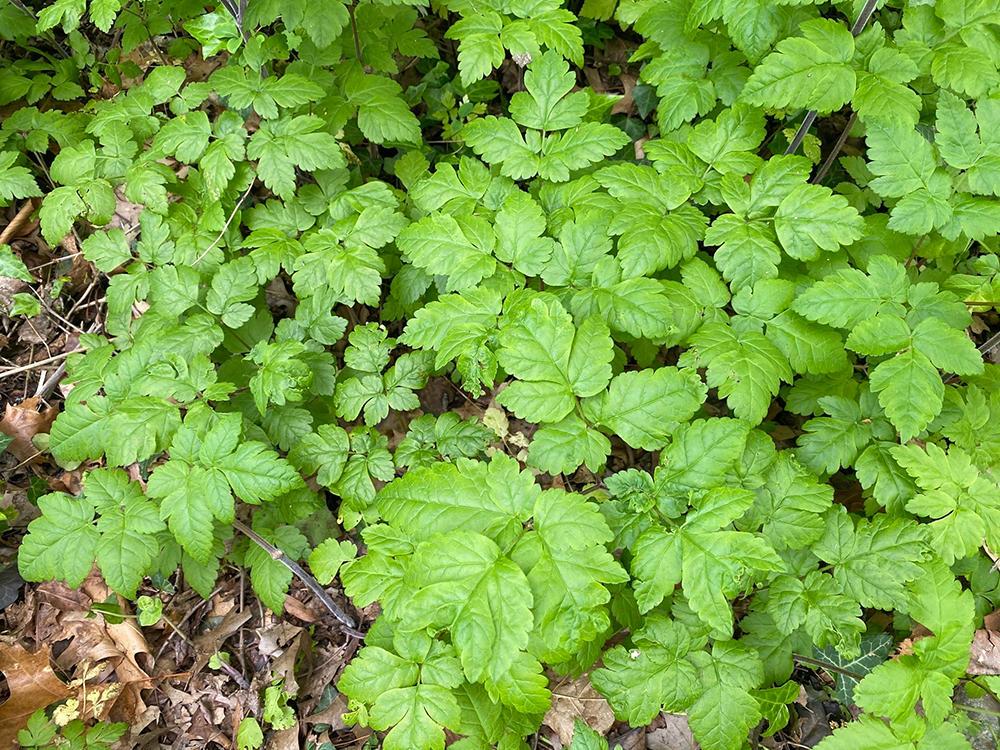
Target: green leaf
519, 228
438, 244
13, 267
656, 675
882, 95
585, 738
190, 497
817, 604
62, 542
721, 718
326, 559
645, 407
256, 473
15, 182
790, 505
464, 583
492, 499
127, 524
848, 296
746, 367
547, 103
552, 364
382, 114
499, 141
568, 568
810, 71
270, 577
562, 447
910, 390
249, 736
873, 560
279, 146
811, 218
708, 563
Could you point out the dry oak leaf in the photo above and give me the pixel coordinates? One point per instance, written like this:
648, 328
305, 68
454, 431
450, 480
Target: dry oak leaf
23, 422
32, 684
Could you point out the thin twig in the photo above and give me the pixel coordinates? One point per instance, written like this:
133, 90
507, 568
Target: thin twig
831, 157
859, 26
354, 29
35, 365
311, 583
226, 225
827, 667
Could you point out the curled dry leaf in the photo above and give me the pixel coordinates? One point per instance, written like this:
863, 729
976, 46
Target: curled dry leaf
22, 422
32, 684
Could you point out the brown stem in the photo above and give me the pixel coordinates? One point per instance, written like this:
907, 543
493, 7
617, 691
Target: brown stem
354, 30
836, 150
311, 583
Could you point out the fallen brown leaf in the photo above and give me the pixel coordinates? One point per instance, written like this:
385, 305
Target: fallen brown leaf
22, 422
984, 653
32, 684
578, 699
674, 735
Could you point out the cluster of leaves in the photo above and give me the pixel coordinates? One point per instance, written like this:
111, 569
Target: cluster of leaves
667, 299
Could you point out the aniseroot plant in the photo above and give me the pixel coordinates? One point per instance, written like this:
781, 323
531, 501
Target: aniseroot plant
658, 309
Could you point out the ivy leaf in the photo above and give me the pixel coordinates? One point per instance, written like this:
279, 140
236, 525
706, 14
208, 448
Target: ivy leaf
874, 649
809, 71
